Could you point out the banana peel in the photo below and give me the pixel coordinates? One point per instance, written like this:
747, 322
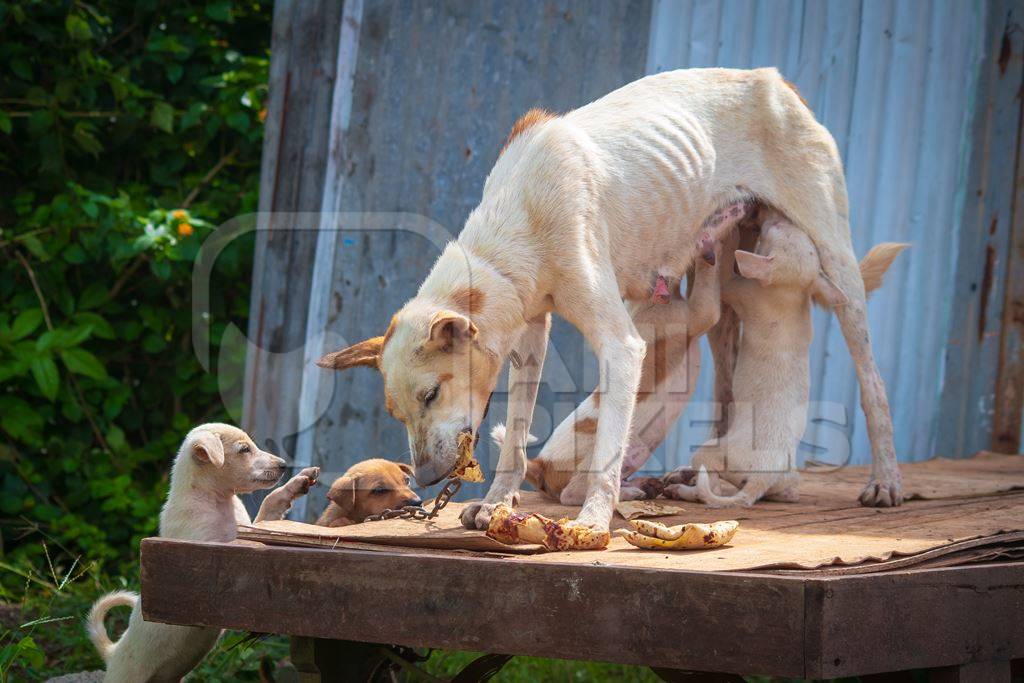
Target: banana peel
510, 527
655, 535
466, 467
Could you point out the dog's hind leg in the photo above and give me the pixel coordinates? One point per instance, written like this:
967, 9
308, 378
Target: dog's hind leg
884, 488
523, 383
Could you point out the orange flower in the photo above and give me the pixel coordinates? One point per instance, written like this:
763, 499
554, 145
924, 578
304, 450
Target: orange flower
184, 229
179, 214
262, 115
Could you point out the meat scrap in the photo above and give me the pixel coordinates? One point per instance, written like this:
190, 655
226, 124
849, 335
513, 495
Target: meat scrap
466, 467
510, 527
655, 535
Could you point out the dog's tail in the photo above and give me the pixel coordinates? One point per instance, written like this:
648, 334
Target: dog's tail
753, 490
94, 622
498, 436
877, 261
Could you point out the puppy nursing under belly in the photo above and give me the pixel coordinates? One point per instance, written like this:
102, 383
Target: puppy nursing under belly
772, 376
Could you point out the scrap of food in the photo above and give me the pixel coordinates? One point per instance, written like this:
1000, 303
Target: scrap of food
510, 527
655, 535
466, 467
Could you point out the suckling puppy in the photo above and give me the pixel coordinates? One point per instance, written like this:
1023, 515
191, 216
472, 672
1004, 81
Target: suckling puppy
215, 462
772, 375
368, 488
671, 366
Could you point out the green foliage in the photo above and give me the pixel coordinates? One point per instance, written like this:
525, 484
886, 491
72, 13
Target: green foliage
128, 130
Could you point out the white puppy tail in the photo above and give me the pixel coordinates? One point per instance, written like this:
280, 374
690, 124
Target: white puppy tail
94, 622
877, 261
498, 436
753, 490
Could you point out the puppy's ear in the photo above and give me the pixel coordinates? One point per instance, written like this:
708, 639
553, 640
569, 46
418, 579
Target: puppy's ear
406, 468
343, 494
448, 328
827, 293
366, 353
754, 266
207, 447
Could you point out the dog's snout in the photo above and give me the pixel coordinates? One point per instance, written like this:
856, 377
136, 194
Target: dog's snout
414, 501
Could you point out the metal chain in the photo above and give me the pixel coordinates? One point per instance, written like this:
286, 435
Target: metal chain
418, 511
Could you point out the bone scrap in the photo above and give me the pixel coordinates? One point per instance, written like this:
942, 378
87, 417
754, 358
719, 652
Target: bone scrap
510, 527
650, 534
466, 467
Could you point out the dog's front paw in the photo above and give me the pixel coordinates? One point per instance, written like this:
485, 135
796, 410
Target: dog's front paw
477, 514
882, 493
300, 484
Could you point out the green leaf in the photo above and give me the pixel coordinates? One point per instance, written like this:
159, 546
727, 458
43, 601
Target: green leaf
81, 362
94, 295
100, 327
162, 117
21, 68
47, 377
77, 27
238, 120
26, 323
19, 419
84, 134
174, 71
5, 122
219, 11
32, 243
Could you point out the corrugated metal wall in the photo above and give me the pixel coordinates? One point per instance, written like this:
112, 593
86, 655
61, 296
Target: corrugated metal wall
895, 83
399, 109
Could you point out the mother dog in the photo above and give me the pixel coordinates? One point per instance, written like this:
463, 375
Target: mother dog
582, 211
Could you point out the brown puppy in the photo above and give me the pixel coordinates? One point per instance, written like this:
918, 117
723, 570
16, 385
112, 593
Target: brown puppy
368, 488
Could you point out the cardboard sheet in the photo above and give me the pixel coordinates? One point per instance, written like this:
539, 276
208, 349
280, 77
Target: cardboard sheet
970, 509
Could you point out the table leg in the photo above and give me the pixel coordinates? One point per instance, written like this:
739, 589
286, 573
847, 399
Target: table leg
319, 660
973, 672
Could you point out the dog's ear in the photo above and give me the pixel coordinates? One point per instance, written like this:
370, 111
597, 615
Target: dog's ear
343, 494
406, 468
365, 353
207, 447
448, 328
754, 266
827, 293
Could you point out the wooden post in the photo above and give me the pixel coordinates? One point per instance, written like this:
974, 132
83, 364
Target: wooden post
1009, 398
973, 672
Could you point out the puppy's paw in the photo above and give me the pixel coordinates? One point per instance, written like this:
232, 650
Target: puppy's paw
628, 492
681, 475
300, 484
882, 493
681, 492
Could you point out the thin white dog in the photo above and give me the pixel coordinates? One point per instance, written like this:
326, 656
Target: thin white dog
772, 376
671, 367
581, 211
215, 462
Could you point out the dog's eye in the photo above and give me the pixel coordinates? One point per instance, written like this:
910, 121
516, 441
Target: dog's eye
429, 397
379, 491
244, 448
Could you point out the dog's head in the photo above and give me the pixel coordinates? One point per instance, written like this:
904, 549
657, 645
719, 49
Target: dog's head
228, 461
787, 257
371, 487
437, 380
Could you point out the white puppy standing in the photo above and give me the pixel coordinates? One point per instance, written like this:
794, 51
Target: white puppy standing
215, 462
771, 384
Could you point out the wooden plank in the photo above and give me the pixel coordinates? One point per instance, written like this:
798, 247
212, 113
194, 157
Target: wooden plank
304, 46
965, 420
915, 619
579, 610
1009, 400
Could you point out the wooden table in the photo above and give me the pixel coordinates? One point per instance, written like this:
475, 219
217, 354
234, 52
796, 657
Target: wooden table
801, 624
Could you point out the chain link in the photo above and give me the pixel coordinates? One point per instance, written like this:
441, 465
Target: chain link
418, 511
